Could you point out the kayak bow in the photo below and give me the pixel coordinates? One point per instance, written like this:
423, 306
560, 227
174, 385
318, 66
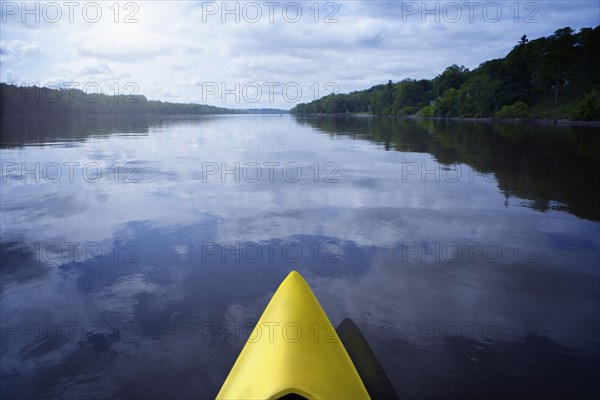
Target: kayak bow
293, 349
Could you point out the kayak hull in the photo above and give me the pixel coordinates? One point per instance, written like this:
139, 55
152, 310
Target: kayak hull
293, 349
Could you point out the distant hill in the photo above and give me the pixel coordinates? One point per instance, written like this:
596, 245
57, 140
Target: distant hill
35, 100
264, 111
550, 77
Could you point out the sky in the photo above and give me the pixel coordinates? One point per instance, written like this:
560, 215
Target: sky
262, 54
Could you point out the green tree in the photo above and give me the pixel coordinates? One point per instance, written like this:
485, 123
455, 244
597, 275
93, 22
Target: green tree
453, 77
517, 110
478, 96
589, 108
448, 105
556, 62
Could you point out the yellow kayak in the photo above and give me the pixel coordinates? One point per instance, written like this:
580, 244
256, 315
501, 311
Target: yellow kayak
293, 349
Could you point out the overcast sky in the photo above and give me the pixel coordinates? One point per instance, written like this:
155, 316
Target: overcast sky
190, 51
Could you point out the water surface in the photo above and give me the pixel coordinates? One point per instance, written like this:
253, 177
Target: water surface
137, 255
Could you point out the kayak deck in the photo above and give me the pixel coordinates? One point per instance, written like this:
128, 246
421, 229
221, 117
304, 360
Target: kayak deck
293, 349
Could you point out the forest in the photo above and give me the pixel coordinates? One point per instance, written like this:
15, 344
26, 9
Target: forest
550, 77
35, 100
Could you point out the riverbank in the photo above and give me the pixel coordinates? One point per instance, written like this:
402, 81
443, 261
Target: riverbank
524, 121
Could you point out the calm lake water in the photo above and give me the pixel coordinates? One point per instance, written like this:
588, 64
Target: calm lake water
137, 255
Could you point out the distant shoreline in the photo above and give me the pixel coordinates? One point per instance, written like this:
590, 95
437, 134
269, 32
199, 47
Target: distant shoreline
511, 121
523, 121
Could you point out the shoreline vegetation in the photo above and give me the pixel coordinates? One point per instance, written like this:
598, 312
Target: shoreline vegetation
525, 121
549, 80
45, 101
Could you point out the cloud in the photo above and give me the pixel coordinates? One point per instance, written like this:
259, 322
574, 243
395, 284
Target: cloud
90, 70
86, 67
10, 77
18, 48
128, 46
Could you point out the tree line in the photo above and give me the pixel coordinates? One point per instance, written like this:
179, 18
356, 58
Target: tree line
550, 77
35, 100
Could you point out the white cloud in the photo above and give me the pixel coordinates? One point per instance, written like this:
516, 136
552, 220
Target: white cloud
18, 49
129, 46
90, 70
